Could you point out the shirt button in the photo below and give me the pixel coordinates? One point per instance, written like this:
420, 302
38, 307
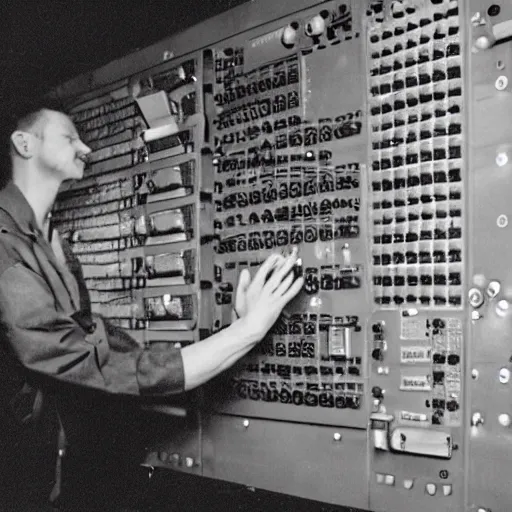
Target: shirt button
92, 328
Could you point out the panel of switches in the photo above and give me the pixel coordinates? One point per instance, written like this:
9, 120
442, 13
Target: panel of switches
416, 132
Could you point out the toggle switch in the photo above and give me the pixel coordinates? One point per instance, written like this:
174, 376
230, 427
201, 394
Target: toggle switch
346, 256
493, 288
477, 419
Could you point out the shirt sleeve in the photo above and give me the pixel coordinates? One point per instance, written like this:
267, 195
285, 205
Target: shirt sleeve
50, 342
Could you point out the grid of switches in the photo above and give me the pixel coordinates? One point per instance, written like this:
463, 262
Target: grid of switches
416, 132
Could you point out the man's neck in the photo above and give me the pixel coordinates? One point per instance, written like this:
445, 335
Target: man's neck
40, 193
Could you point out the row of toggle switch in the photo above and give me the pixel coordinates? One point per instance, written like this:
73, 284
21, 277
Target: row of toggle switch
177, 460
430, 488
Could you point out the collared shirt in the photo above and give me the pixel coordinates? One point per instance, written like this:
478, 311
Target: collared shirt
45, 319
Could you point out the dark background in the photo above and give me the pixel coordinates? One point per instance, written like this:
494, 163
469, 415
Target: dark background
46, 42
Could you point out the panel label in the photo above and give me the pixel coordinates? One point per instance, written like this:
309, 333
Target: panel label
415, 383
410, 355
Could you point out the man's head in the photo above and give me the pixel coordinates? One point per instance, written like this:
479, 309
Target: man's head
47, 141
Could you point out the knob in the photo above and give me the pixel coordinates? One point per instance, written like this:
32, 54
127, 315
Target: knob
377, 328
477, 419
476, 297
377, 354
504, 420
377, 392
316, 26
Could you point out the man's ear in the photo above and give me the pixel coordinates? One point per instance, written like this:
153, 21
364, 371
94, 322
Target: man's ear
22, 144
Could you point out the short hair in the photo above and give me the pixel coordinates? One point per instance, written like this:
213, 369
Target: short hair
27, 115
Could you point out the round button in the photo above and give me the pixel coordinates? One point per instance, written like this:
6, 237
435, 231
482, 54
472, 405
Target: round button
483, 42
501, 83
502, 221
504, 375
501, 159
476, 297
504, 420
189, 462
502, 307
246, 423
337, 436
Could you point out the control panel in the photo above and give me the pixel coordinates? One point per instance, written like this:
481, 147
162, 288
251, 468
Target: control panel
373, 136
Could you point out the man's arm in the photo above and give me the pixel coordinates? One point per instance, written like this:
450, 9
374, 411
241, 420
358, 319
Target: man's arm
52, 343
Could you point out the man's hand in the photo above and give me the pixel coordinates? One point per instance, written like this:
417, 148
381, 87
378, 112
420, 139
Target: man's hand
259, 302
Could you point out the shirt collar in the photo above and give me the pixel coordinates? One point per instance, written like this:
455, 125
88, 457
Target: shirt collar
16, 205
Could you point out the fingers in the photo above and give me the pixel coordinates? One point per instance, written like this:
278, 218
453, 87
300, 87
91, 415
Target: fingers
265, 268
279, 274
243, 281
285, 284
293, 290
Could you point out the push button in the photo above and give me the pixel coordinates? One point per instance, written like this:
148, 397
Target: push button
389, 480
431, 489
380, 478
408, 484
447, 490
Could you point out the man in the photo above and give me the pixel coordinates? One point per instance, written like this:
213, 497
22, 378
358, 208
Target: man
51, 342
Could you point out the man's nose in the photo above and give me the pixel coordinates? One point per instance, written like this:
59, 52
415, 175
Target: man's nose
84, 151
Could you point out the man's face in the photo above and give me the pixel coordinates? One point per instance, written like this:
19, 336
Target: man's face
60, 149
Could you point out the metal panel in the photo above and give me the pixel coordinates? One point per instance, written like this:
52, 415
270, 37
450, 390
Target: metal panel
319, 463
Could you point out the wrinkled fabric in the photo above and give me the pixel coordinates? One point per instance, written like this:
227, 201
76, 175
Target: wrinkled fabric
46, 326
